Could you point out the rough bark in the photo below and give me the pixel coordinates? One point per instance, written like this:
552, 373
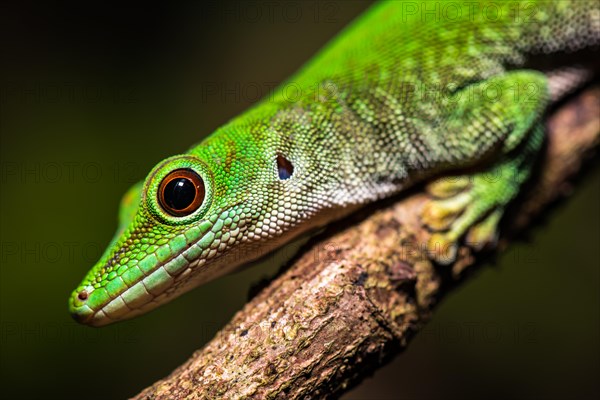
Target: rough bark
357, 294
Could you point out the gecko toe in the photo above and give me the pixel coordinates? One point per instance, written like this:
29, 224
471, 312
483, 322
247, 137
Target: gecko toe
448, 186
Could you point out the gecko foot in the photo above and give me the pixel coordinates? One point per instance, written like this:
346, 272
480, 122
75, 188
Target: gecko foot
469, 207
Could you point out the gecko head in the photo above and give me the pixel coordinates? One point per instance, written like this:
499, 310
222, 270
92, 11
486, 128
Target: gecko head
169, 226
176, 231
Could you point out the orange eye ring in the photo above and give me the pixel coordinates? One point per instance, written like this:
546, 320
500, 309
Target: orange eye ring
181, 192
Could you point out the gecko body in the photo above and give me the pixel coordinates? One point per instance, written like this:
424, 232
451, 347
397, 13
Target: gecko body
394, 100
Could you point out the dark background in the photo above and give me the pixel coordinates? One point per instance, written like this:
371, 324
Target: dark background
93, 96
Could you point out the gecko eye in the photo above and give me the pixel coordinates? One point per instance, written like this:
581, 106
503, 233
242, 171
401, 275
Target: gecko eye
181, 192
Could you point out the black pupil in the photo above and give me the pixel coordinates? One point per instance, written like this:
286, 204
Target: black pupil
180, 193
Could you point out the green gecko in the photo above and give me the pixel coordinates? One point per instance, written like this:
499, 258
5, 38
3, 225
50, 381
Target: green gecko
400, 96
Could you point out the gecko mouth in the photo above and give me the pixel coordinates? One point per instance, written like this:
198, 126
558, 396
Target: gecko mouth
118, 300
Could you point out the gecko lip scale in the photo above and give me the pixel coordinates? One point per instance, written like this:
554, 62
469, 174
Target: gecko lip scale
143, 295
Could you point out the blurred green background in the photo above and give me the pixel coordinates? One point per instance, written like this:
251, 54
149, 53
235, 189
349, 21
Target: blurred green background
93, 96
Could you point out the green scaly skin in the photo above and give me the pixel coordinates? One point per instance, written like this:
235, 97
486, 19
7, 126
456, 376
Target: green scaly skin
395, 99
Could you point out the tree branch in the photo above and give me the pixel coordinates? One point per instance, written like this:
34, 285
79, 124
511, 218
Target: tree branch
354, 298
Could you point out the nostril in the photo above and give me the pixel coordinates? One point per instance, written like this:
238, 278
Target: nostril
83, 295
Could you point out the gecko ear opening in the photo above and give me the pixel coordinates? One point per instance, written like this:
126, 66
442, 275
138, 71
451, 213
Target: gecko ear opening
285, 169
